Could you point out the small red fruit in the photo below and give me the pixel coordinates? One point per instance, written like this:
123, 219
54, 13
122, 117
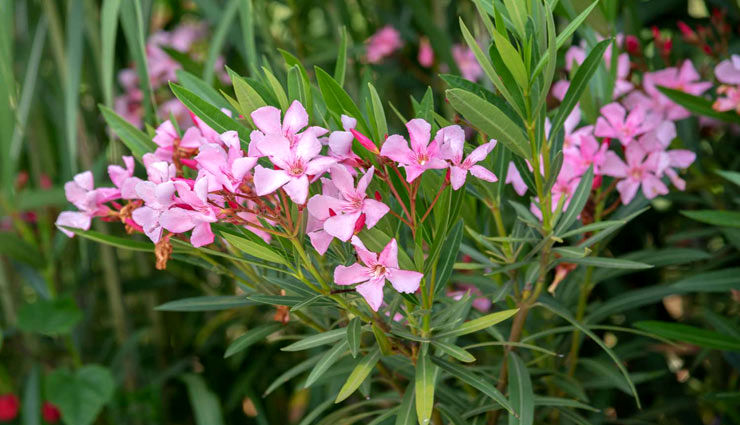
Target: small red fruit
50, 413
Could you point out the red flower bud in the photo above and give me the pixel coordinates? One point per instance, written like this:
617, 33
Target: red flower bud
656, 33
45, 182
360, 223
365, 141
332, 213
667, 46
378, 197
687, 32
50, 413
597, 182
447, 176
707, 49
9, 406
632, 45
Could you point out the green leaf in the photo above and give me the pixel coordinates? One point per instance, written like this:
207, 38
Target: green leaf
338, 101
249, 99
15, 247
80, 395
210, 114
481, 384
552, 305
250, 337
383, 342
609, 263
520, 391
731, 176
292, 373
217, 39
246, 18
454, 351
478, 324
327, 360
201, 88
205, 303
424, 388
577, 201
31, 410
49, 317
359, 374
108, 31
205, 404
512, 59
134, 139
715, 217
578, 85
378, 113
690, 334
354, 335
698, 105
562, 402
341, 67
716, 281
277, 88
323, 338
116, 241
489, 119
406, 412
448, 255
133, 30
255, 249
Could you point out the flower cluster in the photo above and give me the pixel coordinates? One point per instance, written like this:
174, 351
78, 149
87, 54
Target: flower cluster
202, 177
728, 73
162, 68
631, 138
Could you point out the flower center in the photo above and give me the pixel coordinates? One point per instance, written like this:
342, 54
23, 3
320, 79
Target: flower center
378, 271
296, 169
636, 173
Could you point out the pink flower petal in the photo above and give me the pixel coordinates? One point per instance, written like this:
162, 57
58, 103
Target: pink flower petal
267, 181
396, 148
348, 275
405, 281
295, 118
267, 119
297, 189
389, 256
341, 226
372, 291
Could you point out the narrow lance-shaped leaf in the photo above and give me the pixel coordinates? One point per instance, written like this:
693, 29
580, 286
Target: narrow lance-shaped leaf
577, 201
359, 374
489, 119
323, 338
328, 359
691, 334
479, 323
520, 391
481, 384
354, 335
251, 337
406, 412
578, 85
424, 388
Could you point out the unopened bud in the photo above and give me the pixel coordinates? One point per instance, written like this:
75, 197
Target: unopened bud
332, 213
378, 197
365, 141
360, 223
687, 32
447, 177
632, 44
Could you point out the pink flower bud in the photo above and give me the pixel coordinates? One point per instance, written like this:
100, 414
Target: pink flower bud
360, 223
365, 141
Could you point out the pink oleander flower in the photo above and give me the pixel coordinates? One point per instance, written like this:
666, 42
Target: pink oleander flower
559, 89
89, 201
373, 270
640, 170
166, 137
191, 211
617, 124
574, 56
515, 179
426, 53
221, 168
158, 196
295, 166
340, 144
270, 128
622, 85
466, 62
450, 141
564, 187
588, 152
728, 99
728, 71
123, 178
421, 157
341, 209
656, 144
480, 302
685, 79
383, 43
